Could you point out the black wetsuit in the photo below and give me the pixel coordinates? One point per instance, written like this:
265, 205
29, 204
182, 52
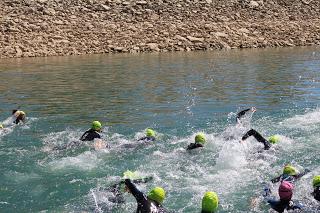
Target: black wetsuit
258, 137
242, 113
90, 135
316, 193
117, 189
290, 178
281, 205
21, 117
147, 138
194, 146
144, 205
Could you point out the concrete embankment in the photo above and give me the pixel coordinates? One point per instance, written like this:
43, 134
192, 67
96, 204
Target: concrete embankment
71, 27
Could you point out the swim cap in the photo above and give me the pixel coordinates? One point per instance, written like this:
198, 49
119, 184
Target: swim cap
210, 202
200, 139
289, 170
96, 125
150, 133
1, 126
157, 194
285, 190
274, 139
316, 181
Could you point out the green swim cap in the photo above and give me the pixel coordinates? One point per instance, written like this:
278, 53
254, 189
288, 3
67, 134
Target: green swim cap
289, 170
210, 202
1, 127
150, 133
274, 139
96, 125
200, 139
316, 181
157, 194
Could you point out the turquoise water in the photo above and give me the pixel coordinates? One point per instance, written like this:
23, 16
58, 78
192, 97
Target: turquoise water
178, 95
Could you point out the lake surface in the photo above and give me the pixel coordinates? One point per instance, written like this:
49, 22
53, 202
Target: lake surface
176, 94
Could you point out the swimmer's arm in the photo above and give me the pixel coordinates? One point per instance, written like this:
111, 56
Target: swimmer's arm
134, 191
302, 174
191, 146
242, 113
276, 179
83, 136
143, 138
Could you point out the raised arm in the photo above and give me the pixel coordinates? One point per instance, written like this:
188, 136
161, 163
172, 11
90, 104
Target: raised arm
135, 191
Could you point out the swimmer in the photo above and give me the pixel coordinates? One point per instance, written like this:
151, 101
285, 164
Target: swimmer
118, 189
316, 187
290, 174
1, 126
267, 143
285, 193
93, 132
147, 203
210, 202
19, 116
150, 136
199, 141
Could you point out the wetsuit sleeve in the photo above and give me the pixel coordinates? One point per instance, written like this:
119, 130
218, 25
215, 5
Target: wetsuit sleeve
193, 146
84, 135
135, 191
242, 113
302, 174
276, 179
142, 139
258, 137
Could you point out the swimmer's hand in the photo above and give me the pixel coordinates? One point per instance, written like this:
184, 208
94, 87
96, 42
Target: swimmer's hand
253, 109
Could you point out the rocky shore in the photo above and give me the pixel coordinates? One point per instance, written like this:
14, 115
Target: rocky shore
31, 28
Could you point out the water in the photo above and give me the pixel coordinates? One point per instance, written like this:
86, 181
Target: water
178, 95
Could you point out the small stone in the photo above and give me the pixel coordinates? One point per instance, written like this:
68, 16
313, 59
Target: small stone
221, 34
244, 30
104, 7
195, 39
181, 38
153, 46
224, 45
18, 52
125, 3
49, 11
118, 49
141, 2
253, 4
58, 22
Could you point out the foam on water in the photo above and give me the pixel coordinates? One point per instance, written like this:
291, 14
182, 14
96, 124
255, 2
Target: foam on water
307, 121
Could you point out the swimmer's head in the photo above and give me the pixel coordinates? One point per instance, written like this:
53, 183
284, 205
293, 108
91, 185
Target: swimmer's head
316, 181
274, 139
200, 138
96, 125
285, 190
210, 202
157, 194
1, 126
290, 170
150, 133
